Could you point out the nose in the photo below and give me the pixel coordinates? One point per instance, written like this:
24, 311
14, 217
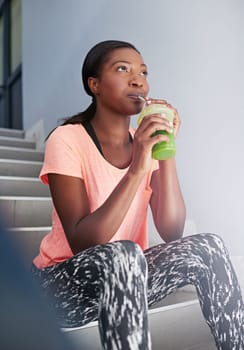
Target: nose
136, 81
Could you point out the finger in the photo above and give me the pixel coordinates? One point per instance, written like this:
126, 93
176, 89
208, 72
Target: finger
151, 140
150, 100
152, 127
159, 138
177, 124
157, 118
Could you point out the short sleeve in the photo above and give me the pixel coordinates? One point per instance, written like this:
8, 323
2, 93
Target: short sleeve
62, 155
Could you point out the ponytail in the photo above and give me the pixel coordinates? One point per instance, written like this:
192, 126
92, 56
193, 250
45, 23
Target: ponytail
80, 118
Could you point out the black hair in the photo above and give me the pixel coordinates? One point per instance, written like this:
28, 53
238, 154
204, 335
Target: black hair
92, 66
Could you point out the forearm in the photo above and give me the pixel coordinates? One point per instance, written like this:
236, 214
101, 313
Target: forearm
100, 226
167, 202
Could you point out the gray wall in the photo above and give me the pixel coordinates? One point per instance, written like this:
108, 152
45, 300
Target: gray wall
195, 53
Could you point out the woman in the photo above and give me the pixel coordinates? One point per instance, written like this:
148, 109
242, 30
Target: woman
95, 263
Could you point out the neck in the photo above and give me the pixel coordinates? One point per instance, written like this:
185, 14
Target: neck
111, 129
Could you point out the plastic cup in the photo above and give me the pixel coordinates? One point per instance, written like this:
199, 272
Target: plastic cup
165, 149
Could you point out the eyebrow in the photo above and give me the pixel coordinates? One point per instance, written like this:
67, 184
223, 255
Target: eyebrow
127, 62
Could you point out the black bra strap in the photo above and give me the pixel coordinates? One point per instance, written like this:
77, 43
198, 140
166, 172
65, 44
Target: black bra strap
89, 128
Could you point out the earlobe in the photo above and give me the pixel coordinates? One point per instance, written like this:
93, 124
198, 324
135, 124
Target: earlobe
93, 85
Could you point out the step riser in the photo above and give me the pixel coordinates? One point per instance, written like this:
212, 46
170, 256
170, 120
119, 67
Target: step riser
11, 142
12, 133
20, 187
20, 154
8, 168
26, 212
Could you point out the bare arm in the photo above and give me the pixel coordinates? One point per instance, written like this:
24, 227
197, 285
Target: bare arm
83, 228
167, 203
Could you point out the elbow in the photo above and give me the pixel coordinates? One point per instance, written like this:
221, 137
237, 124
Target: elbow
171, 231
77, 246
171, 236
78, 241
170, 223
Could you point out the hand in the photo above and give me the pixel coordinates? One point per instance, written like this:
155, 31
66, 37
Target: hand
147, 135
176, 121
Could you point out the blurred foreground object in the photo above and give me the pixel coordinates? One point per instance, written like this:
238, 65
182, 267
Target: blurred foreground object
26, 322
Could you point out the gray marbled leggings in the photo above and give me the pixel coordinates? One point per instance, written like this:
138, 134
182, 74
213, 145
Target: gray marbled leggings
116, 282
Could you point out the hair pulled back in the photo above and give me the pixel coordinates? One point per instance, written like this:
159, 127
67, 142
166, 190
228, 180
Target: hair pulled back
92, 67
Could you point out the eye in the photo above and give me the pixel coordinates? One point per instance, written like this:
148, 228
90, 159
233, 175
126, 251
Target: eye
122, 69
144, 73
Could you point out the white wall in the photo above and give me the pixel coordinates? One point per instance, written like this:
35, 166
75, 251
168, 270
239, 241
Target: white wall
195, 53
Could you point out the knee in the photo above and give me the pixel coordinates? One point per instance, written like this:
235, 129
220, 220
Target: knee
130, 247
128, 255
205, 245
214, 241
211, 247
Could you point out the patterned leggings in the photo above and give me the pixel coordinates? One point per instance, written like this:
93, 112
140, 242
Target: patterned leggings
116, 282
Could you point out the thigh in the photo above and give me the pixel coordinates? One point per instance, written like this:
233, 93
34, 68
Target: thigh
173, 265
73, 286
96, 276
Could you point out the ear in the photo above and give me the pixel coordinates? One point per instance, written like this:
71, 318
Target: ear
93, 84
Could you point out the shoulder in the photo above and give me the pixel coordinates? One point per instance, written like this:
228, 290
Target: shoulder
63, 152
67, 130
69, 134
68, 139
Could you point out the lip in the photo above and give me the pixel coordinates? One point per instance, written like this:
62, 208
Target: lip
137, 97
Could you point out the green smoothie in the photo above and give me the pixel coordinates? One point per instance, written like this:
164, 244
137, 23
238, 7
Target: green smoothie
165, 149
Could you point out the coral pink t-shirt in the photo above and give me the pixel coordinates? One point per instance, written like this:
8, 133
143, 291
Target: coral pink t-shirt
71, 151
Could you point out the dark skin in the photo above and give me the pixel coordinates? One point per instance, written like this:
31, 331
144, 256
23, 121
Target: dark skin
122, 78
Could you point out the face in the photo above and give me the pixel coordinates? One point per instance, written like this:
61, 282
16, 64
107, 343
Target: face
123, 77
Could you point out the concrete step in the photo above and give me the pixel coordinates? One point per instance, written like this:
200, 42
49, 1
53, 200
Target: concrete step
12, 133
16, 142
177, 326
22, 186
20, 153
26, 211
28, 240
11, 167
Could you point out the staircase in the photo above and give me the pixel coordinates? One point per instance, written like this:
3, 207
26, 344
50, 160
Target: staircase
25, 203
25, 206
